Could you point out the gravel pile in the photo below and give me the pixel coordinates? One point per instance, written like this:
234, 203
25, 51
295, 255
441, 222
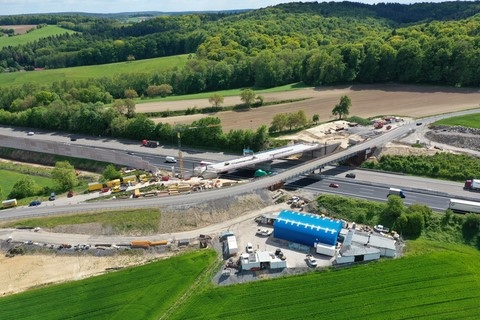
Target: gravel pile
457, 136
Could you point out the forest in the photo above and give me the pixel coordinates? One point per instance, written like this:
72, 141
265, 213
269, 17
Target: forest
314, 43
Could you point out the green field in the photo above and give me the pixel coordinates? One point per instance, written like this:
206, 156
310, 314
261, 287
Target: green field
32, 36
138, 222
433, 281
144, 292
9, 178
470, 120
441, 284
89, 72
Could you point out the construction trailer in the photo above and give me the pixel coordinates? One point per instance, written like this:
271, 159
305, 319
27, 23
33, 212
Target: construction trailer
232, 246
113, 183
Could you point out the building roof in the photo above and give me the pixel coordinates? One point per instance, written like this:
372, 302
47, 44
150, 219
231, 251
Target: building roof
306, 228
373, 240
358, 251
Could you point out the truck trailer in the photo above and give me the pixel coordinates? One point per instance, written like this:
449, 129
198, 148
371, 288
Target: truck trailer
464, 206
472, 184
9, 203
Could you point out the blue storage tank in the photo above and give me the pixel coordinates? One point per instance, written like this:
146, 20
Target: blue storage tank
306, 228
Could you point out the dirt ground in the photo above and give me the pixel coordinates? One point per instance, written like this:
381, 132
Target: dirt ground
21, 273
20, 29
367, 101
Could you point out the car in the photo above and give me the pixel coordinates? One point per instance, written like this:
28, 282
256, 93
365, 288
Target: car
131, 153
30, 133
333, 185
70, 194
35, 203
312, 262
249, 248
419, 123
350, 175
73, 139
52, 197
264, 232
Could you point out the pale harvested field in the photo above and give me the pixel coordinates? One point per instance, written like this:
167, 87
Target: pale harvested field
367, 101
20, 29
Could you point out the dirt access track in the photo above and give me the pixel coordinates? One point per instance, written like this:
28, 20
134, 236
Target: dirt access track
367, 101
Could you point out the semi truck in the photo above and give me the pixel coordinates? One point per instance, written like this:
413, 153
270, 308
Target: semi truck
150, 143
472, 184
396, 192
464, 206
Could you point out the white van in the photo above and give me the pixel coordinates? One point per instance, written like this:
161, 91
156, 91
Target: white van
170, 159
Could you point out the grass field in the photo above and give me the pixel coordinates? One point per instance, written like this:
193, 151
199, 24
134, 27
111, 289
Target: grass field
144, 292
32, 36
138, 222
471, 121
441, 284
9, 178
90, 72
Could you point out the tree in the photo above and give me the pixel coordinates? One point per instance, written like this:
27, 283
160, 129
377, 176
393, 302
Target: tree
279, 122
111, 173
23, 188
130, 94
130, 104
216, 100
342, 108
316, 118
392, 211
248, 97
162, 90
64, 176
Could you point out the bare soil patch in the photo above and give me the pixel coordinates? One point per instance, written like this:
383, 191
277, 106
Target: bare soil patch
367, 101
19, 29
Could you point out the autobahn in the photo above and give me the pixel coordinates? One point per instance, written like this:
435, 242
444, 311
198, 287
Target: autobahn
188, 199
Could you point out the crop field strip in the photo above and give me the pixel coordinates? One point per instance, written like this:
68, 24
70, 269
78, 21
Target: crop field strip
143, 292
440, 283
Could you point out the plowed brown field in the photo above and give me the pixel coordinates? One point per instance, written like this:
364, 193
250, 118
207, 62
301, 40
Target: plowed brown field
367, 101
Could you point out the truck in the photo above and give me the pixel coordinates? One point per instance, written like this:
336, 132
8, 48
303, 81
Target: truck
464, 206
472, 184
381, 228
150, 143
9, 203
396, 192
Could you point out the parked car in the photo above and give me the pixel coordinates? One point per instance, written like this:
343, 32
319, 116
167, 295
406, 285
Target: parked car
419, 123
312, 262
350, 175
30, 133
249, 248
333, 185
35, 203
264, 232
70, 194
52, 197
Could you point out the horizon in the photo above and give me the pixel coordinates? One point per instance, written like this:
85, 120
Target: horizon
19, 7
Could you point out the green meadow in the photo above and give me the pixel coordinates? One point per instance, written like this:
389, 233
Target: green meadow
33, 35
9, 178
470, 121
91, 72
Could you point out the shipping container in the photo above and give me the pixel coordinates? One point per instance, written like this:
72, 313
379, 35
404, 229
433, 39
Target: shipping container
113, 183
95, 186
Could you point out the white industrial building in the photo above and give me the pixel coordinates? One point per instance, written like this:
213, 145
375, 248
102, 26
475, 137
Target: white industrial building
385, 244
353, 252
261, 260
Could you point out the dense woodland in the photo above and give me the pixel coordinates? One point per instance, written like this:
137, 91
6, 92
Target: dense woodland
314, 43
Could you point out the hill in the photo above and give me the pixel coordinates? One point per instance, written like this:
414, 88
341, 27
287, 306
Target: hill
34, 35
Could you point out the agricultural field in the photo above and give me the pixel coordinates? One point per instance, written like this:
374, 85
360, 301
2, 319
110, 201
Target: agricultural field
435, 281
32, 36
470, 121
9, 178
90, 72
144, 292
